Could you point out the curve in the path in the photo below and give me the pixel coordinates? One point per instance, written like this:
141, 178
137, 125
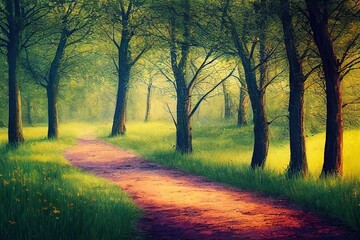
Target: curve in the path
179, 205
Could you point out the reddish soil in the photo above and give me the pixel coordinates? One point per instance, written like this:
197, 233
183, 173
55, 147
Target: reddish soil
180, 205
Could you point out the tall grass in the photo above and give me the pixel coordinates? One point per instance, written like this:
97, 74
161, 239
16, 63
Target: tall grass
43, 197
223, 153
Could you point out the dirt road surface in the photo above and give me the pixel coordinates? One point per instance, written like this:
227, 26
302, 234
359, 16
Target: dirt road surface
180, 205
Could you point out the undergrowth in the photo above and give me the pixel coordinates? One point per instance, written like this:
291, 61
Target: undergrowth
44, 197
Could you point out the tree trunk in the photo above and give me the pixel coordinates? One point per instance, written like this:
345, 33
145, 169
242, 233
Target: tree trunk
261, 130
53, 123
118, 127
183, 91
242, 113
227, 102
257, 100
52, 88
148, 102
331, 67
298, 162
28, 117
183, 126
261, 127
15, 134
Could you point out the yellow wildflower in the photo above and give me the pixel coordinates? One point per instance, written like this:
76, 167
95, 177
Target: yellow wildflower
55, 211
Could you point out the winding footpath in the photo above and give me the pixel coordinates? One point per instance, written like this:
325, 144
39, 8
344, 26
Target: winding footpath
180, 205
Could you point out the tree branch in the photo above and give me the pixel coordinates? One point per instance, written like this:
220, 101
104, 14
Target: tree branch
172, 115
277, 118
355, 101
210, 91
145, 49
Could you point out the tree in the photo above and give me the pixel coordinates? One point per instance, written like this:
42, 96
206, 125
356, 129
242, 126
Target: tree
184, 45
149, 89
123, 22
69, 23
227, 101
11, 29
323, 17
16, 17
243, 99
298, 161
3, 91
256, 86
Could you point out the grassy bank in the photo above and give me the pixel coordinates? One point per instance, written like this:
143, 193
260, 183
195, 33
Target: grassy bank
43, 197
223, 153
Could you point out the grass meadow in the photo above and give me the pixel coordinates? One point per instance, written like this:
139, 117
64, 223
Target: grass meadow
223, 153
43, 197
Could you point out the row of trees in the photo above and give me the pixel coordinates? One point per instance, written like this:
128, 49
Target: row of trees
188, 42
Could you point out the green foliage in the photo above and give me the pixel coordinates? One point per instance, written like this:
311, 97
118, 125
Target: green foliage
43, 197
223, 152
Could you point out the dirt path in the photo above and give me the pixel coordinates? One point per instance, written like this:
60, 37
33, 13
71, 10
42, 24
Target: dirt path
179, 205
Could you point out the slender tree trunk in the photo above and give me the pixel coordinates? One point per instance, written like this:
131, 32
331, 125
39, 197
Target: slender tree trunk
261, 127
298, 162
118, 127
52, 88
334, 122
227, 102
148, 102
29, 120
257, 100
53, 122
183, 126
183, 91
242, 113
261, 130
15, 134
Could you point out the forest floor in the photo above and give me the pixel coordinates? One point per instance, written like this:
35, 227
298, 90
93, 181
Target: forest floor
180, 205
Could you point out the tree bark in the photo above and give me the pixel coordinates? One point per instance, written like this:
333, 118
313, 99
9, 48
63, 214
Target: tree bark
242, 113
148, 101
28, 117
261, 126
15, 134
331, 67
257, 100
118, 127
298, 162
52, 88
183, 91
227, 102
183, 122
261, 130
53, 122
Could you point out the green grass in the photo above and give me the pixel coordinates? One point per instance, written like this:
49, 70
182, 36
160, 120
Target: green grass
43, 197
223, 153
